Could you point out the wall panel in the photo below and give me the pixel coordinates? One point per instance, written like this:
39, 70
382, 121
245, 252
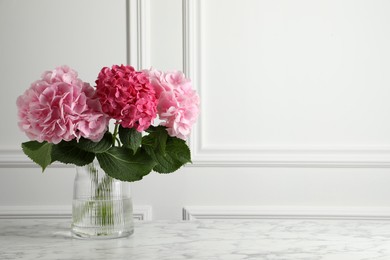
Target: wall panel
286, 83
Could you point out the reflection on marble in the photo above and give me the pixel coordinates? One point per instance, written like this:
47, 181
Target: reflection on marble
206, 239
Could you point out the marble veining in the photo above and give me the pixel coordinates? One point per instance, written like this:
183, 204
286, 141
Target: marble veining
205, 239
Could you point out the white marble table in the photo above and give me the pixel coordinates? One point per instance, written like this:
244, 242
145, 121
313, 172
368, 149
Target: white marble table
218, 239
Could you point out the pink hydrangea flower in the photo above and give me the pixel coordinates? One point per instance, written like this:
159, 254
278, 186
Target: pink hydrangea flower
127, 96
178, 103
61, 107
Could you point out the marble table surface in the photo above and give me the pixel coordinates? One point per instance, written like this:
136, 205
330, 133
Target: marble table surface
203, 239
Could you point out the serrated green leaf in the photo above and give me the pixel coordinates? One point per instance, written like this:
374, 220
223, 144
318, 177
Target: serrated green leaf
157, 138
66, 152
179, 150
130, 138
121, 164
176, 155
40, 153
94, 147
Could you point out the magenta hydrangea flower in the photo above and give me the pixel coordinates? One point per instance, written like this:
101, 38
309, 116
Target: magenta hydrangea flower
178, 103
127, 96
59, 107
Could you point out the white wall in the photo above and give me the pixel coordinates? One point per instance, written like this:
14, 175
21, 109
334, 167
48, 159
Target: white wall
294, 108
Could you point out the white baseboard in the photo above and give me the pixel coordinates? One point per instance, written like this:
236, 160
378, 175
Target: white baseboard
281, 212
59, 212
142, 213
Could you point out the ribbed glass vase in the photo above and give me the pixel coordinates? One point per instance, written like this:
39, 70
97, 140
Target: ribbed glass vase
102, 206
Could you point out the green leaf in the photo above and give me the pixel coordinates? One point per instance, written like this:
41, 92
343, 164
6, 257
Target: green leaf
130, 138
120, 163
157, 138
94, 147
67, 152
176, 155
40, 153
179, 150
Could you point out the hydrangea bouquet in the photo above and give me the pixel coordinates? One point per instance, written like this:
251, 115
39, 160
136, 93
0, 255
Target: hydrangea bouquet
67, 120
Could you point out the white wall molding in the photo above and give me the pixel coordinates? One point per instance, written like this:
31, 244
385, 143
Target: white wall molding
138, 33
208, 155
13, 158
191, 56
289, 212
326, 157
360, 158
205, 155
142, 212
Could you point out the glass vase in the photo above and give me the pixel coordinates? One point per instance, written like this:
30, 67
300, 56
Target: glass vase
102, 206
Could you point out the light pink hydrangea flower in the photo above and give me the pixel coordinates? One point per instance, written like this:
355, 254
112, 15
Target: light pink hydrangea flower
61, 107
178, 103
127, 96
